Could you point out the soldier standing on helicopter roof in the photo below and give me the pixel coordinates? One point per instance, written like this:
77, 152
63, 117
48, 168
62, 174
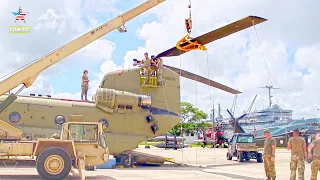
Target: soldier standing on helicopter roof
85, 85
146, 61
158, 63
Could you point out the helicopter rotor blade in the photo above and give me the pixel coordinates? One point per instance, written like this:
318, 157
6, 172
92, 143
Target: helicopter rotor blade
216, 34
203, 80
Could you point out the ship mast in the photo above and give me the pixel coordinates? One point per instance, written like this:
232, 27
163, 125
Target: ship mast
269, 93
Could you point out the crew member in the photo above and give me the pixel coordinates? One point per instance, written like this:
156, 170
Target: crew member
269, 155
159, 70
315, 156
146, 61
85, 85
298, 148
204, 142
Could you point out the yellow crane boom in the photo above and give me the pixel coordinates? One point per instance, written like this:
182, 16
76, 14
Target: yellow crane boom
29, 74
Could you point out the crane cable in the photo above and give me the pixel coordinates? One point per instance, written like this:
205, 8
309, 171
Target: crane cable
195, 78
265, 61
182, 129
211, 105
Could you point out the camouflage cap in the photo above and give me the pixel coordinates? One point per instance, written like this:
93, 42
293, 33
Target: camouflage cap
266, 131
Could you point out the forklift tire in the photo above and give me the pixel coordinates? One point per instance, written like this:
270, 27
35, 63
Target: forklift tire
54, 164
259, 158
124, 161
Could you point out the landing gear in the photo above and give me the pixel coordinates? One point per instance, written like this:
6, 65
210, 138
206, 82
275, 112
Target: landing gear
126, 161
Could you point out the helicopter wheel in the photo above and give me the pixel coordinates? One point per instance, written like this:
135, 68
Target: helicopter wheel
125, 162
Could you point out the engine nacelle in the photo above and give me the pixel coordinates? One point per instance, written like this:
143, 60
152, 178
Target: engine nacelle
109, 99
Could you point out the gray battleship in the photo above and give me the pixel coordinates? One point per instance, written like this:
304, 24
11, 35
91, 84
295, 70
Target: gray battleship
279, 121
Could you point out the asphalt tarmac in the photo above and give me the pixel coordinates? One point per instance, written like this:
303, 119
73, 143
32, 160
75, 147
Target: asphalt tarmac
208, 163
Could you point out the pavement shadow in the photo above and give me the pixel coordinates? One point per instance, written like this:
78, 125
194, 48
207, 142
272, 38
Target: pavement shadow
177, 167
13, 165
188, 167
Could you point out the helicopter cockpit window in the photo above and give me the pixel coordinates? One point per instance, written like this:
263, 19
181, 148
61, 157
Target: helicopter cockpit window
86, 133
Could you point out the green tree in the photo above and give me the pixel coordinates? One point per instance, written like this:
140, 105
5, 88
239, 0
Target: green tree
191, 117
191, 114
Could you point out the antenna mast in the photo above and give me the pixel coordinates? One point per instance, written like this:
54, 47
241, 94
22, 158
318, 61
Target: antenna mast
269, 93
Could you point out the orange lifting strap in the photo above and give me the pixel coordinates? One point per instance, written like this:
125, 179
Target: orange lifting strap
191, 45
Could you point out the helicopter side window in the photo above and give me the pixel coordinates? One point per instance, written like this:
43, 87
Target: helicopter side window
86, 133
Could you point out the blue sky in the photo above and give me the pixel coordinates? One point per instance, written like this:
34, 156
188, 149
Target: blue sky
124, 42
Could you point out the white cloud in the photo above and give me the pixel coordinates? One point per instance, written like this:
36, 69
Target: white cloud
236, 60
53, 24
100, 49
51, 20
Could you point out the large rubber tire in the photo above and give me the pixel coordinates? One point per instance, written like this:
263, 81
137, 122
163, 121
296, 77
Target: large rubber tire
240, 157
229, 157
124, 161
259, 158
54, 154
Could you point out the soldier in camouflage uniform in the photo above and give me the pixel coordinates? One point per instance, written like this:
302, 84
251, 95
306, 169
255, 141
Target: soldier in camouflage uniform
315, 166
146, 61
160, 71
84, 85
269, 155
297, 145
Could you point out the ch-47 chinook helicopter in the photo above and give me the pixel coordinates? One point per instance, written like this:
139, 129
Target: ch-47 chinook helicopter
130, 111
